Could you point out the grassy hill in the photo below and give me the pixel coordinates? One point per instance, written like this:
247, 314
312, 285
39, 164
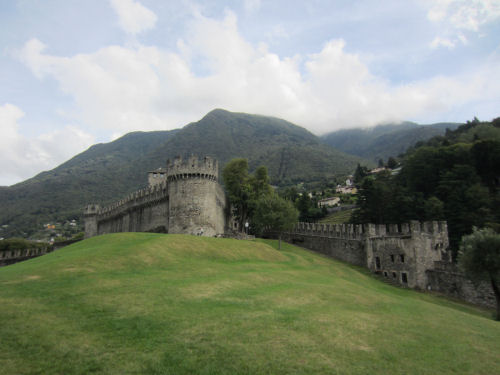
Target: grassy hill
107, 172
136, 303
383, 141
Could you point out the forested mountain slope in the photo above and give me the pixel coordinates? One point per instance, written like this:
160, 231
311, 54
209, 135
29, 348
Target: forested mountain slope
106, 172
455, 177
383, 141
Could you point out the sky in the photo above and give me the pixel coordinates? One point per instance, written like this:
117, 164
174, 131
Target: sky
74, 73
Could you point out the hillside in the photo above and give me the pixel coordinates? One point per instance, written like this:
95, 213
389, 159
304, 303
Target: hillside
106, 172
172, 304
454, 177
383, 141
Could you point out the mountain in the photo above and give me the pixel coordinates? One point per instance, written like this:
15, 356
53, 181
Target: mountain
382, 141
106, 172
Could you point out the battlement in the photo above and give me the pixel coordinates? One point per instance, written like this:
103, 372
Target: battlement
192, 168
157, 177
144, 196
91, 209
360, 231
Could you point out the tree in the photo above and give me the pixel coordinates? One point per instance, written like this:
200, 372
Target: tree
245, 190
479, 257
392, 163
237, 183
275, 213
360, 173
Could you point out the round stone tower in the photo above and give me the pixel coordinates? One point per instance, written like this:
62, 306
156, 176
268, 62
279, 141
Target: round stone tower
196, 200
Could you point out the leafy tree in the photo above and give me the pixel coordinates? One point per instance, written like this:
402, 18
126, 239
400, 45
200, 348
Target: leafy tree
290, 193
360, 173
480, 259
275, 213
433, 209
237, 183
391, 163
260, 182
244, 189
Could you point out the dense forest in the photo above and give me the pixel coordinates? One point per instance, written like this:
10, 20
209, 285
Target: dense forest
454, 177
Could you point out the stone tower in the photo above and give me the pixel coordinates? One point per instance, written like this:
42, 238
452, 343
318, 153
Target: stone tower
90, 216
196, 200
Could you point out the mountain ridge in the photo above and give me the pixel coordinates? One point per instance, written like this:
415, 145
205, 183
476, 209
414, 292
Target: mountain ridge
385, 140
106, 172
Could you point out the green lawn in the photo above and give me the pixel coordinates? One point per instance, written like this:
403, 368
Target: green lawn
136, 303
338, 217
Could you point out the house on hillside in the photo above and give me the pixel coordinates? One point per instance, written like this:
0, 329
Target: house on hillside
329, 202
346, 190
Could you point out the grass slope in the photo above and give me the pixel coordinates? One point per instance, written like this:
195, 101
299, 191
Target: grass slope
138, 303
339, 217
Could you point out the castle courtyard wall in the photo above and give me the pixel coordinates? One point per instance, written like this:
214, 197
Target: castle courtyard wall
413, 255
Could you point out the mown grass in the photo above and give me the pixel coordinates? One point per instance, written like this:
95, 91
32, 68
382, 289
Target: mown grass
339, 217
137, 303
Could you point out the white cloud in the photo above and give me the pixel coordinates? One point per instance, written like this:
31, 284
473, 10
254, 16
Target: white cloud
459, 16
22, 157
442, 42
252, 5
145, 88
133, 17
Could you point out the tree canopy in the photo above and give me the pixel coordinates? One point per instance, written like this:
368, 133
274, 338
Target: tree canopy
453, 178
479, 257
275, 213
253, 198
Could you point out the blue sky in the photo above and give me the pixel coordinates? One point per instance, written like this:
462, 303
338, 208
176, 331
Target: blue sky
73, 73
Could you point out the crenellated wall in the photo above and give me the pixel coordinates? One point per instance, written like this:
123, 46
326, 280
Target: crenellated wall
184, 198
197, 203
392, 249
412, 254
13, 256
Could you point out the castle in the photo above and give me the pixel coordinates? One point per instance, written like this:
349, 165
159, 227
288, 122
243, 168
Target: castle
413, 255
186, 197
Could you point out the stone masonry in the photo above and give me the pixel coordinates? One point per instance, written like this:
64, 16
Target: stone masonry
413, 255
186, 197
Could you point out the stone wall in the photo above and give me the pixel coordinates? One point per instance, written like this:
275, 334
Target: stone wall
404, 252
184, 198
447, 279
413, 254
197, 203
341, 241
13, 256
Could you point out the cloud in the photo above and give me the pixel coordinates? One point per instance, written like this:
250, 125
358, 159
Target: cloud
252, 5
22, 157
459, 16
134, 17
148, 88
442, 42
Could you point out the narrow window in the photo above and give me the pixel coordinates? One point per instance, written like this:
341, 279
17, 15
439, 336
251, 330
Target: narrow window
392, 258
394, 275
402, 258
385, 274
377, 262
404, 278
